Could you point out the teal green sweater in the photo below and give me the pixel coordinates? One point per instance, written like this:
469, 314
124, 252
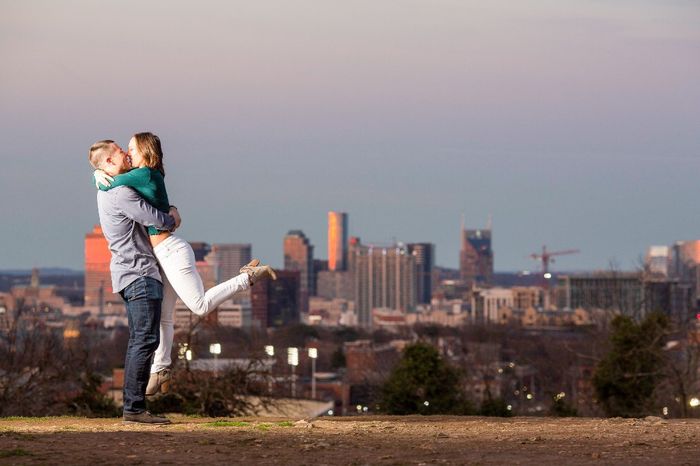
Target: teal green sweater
149, 183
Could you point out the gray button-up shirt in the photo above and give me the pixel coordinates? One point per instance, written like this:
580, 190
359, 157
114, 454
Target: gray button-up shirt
124, 216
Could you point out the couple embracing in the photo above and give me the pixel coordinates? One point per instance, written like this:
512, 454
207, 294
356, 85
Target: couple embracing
150, 266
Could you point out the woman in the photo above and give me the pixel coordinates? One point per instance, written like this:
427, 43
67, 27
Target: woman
175, 255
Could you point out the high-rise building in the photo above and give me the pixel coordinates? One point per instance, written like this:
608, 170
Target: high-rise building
424, 254
657, 260
335, 285
337, 241
299, 256
320, 265
227, 259
610, 290
275, 303
384, 277
98, 279
476, 257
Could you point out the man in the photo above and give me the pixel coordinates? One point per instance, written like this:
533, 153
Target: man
124, 216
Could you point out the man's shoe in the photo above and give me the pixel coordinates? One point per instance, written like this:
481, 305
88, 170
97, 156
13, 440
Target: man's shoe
145, 418
253, 263
158, 382
255, 274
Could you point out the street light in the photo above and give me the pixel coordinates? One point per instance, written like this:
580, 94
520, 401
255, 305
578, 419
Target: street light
293, 360
313, 354
215, 349
270, 352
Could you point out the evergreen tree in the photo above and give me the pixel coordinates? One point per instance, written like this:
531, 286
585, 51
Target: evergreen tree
423, 383
625, 379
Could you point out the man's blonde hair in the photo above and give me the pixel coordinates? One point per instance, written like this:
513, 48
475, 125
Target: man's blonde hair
99, 152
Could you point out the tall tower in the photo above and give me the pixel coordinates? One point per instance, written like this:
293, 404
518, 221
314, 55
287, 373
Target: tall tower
424, 254
337, 241
476, 256
299, 256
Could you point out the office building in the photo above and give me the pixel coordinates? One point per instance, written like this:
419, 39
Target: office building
337, 241
486, 304
657, 260
227, 259
299, 256
476, 257
335, 285
276, 303
424, 253
98, 279
621, 292
383, 277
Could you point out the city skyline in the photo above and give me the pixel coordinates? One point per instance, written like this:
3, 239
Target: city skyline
574, 123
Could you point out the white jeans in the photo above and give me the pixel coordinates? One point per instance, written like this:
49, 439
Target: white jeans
180, 278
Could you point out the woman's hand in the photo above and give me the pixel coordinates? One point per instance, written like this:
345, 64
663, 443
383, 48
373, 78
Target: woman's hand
101, 178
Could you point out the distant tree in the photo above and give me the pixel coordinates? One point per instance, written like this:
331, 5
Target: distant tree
338, 358
34, 372
423, 383
494, 407
41, 374
343, 334
562, 408
294, 335
91, 402
236, 391
682, 367
627, 376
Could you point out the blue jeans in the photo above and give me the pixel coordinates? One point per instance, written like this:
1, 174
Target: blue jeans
143, 299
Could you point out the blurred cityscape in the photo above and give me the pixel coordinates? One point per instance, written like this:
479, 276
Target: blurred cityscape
332, 330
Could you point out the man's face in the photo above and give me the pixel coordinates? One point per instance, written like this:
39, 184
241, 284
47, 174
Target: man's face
118, 162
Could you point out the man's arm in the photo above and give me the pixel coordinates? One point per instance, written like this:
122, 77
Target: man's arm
176, 216
137, 209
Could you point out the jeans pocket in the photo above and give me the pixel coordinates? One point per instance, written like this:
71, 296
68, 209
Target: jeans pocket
153, 288
144, 288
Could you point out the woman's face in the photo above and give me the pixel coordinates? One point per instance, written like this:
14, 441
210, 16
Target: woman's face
136, 157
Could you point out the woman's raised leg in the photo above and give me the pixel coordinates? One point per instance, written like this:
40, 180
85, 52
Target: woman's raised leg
176, 259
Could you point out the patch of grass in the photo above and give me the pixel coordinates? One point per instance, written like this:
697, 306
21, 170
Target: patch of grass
14, 452
227, 424
34, 419
285, 424
264, 426
16, 435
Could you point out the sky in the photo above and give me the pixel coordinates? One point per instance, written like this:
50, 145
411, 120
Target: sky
574, 123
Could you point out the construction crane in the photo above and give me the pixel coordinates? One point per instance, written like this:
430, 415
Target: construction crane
547, 258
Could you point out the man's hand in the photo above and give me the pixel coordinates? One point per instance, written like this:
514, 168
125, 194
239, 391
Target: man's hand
101, 178
175, 215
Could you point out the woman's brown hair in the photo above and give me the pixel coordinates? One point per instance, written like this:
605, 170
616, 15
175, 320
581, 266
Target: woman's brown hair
148, 144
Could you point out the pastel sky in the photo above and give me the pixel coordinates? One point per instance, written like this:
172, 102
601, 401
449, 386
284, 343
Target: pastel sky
575, 123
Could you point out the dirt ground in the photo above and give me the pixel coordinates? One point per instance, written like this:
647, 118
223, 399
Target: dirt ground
351, 441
